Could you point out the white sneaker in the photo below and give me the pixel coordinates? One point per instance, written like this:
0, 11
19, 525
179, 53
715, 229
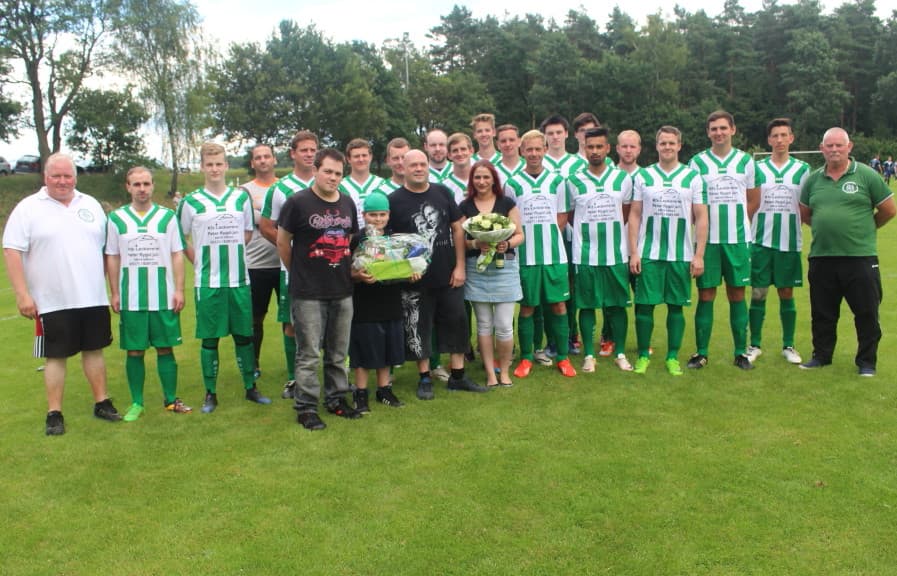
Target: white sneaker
588, 363
753, 352
440, 373
622, 363
541, 357
791, 355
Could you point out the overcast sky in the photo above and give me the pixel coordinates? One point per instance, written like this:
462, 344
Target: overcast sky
228, 21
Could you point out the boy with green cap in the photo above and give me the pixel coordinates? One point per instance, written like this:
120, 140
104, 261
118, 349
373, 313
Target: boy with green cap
377, 340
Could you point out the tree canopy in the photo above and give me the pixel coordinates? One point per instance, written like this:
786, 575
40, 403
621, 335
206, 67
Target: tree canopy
792, 60
820, 69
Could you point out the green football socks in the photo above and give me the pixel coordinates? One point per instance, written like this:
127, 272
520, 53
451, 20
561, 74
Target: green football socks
587, 329
135, 369
526, 329
788, 315
757, 316
289, 353
703, 326
675, 330
738, 321
644, 327
208, 359
167, 367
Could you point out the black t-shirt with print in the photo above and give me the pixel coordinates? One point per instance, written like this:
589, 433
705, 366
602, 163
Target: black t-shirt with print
431, 214
321, 258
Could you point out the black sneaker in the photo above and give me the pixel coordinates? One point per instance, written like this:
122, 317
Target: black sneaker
361, 401
253, 395
385, 396
288, 390
343, 410
106, 411
311, 421
425, 389
465, 384
697, 361
743, 362
55, 423
210, 403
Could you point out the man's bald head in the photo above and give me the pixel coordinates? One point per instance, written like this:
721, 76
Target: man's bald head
417, 170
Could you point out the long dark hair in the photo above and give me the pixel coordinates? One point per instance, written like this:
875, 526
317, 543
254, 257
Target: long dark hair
496, 181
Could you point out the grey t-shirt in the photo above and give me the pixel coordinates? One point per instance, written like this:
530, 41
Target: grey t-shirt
259, 252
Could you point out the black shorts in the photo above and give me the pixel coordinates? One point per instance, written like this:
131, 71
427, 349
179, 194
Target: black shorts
440, 307
377, 344
67, 332
262, 282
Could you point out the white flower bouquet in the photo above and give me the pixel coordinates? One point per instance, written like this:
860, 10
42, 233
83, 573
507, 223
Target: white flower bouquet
491, 228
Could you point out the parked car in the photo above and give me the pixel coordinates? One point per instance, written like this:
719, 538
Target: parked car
90, 168
5, 168
28, 164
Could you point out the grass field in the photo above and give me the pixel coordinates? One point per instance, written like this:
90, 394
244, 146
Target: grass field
777, 471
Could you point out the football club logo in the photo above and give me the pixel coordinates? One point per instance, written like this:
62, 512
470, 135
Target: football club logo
850, 188
86, 215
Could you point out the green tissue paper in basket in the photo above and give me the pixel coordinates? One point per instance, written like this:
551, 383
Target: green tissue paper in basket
395, 257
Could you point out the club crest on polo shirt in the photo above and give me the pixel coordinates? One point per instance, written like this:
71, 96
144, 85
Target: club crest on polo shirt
850, 188
86, 215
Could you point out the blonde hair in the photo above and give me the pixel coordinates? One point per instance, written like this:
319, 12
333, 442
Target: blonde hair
480, 118
532, 135
210, 149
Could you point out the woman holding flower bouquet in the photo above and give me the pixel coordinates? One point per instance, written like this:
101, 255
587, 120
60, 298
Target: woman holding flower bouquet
493, 281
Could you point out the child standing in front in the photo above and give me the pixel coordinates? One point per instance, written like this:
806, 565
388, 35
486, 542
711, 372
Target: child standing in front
377, 341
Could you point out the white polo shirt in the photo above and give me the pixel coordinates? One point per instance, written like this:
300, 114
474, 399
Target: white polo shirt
62, 250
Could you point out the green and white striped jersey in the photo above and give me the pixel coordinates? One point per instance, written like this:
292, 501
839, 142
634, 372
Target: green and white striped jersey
505, 174
217, 225
144, 245
666, 227
599, 237
727, 180
388, 186
495, 159
776, 224
567, 164
359, 191
539, 201
456, 185
280, 191
438, 175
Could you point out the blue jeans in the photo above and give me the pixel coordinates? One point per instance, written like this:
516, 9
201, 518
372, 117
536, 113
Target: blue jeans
316, 322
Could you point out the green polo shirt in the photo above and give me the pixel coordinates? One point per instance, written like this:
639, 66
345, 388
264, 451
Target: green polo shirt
842, 210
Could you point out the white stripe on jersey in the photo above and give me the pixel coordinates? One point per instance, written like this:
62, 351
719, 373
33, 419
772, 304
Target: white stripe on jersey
667, 201
144, 246
539, 201
727, 180
598, 224
217, 225
777, 222
458, 188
